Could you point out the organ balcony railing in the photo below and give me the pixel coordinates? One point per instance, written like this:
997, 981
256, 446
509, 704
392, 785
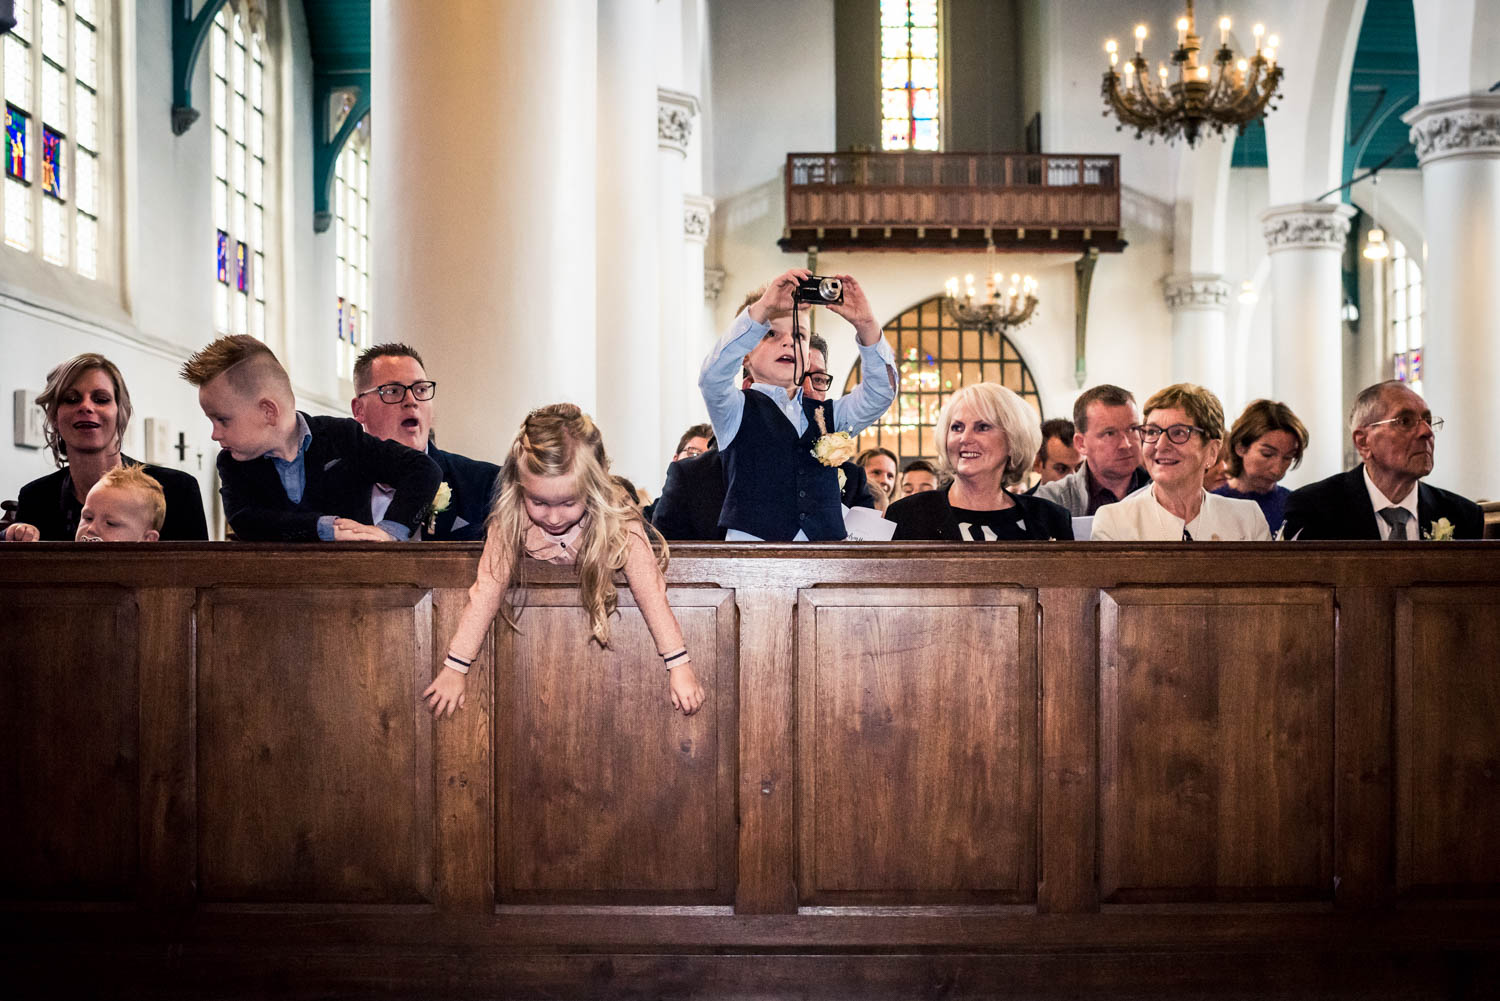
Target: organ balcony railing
952, 201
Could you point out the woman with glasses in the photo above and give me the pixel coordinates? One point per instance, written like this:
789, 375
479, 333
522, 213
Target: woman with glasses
1264, 443
986, 439
1181, 438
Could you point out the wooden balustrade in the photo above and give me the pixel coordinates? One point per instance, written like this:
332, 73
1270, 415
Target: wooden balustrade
921, 771
952, 201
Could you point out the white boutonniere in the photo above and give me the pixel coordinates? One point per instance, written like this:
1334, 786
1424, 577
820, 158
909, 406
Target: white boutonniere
833, 449
439, 504
1441, 531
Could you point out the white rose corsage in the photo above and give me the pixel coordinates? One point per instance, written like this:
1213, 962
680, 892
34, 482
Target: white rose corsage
1441, 531
440, 502
833, 449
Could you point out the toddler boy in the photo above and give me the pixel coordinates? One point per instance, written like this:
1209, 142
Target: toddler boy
126, 505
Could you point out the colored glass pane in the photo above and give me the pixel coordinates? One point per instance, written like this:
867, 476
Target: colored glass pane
222, 272
241, 266
924, 73
52, 163
341, 318
897, 134
1400, 366
16, 149
924, 104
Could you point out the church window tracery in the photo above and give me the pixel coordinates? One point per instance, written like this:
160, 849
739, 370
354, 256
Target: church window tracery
909, 75
1406, 308
240, 174
351, 203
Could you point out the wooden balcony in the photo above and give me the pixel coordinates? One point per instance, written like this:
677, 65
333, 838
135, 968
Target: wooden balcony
1038, 203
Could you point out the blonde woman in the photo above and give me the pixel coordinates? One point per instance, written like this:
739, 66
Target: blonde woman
1181, 438
557, 503
987, 438
86, 409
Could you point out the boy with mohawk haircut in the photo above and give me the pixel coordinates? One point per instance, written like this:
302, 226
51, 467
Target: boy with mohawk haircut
290, 477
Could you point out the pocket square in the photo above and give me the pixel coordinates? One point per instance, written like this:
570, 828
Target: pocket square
331, 463
459, 523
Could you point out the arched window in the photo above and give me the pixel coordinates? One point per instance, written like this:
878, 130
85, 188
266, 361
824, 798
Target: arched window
909, 74
1405, 308
54, 61
351, 206
936, 355
240, 175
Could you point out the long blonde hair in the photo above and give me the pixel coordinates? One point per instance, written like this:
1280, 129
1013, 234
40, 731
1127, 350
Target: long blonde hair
562, 440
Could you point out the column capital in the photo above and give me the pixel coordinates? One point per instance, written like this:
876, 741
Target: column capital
674, 119
697, 214
1456, 126
1195, 291
1306, 226
713, 283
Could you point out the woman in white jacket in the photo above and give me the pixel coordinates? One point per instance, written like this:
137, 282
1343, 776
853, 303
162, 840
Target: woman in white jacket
1181, 437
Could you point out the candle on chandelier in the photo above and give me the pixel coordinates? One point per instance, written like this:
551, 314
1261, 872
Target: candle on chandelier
1113, 51
1223, 31
1140, 38
1260, 29
1182, 30
1202, 72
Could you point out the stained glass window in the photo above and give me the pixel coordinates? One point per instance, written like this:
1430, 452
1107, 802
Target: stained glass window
351, 203
237, 107
1406, 307
52, 67
909, 74
934, 356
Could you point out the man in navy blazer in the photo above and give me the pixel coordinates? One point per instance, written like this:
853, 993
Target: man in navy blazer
394, 401
1383, 498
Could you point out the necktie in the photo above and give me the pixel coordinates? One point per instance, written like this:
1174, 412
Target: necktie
1396, 517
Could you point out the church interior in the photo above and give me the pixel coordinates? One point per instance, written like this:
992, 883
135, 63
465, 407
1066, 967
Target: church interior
1049, 771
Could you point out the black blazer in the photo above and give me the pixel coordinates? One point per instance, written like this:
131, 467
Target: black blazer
50, 505
342, 464
1339, 508
473, 484
929, 516
691, 499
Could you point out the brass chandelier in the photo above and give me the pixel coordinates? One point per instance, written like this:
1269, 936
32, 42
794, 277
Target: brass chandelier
1229, 93
998, 308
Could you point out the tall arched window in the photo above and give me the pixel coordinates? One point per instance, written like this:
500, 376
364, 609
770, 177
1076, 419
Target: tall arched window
909, 74
240, 175
54, 60
351, 206
936, 355
1406, 306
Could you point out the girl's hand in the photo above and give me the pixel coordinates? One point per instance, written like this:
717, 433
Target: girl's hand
445, 692
780, 297
687, 694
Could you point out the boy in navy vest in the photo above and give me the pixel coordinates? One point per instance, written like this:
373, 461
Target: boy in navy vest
776, 490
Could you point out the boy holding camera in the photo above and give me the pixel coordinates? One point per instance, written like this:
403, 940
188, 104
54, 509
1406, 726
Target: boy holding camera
778, 490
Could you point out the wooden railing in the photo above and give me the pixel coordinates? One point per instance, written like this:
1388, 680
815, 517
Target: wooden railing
1070, 767
952, 201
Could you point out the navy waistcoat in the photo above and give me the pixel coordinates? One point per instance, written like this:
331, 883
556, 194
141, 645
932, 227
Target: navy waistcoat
774, 485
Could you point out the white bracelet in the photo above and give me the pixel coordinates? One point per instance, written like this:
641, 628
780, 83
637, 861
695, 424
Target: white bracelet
458, 664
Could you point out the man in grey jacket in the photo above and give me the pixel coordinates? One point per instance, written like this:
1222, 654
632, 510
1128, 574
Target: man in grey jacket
1105, 418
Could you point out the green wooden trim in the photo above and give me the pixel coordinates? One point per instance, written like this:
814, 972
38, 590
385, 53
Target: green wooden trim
188, 35
326, 151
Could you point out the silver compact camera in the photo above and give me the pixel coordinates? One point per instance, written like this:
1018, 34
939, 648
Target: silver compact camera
820, 291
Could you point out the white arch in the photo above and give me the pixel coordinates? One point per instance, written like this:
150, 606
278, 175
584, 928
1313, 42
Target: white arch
1458, 45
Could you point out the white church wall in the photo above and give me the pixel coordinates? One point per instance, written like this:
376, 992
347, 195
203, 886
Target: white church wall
162, 308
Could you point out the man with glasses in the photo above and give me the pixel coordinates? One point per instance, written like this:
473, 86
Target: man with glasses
1383, 498
393, 401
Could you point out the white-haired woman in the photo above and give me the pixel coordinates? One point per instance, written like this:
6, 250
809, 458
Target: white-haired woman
986, 438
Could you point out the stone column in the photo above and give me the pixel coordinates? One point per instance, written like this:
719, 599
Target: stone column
699, 335
1458, 145
486, 205
1197, 303
680, 400
1305, 242
630, 377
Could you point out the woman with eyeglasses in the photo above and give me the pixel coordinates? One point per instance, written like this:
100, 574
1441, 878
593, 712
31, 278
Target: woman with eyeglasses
1181, 439
1264, 443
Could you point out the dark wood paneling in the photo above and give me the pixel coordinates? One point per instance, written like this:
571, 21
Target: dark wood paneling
69, 745
169, 846
1448, 741
1216, 744
314, 755
1363, 839
1068, 881
917, 745
606, 794
463, 762
767, 793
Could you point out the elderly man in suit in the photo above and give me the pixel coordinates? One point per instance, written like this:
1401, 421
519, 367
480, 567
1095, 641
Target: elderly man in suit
393, 401
1383, 498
